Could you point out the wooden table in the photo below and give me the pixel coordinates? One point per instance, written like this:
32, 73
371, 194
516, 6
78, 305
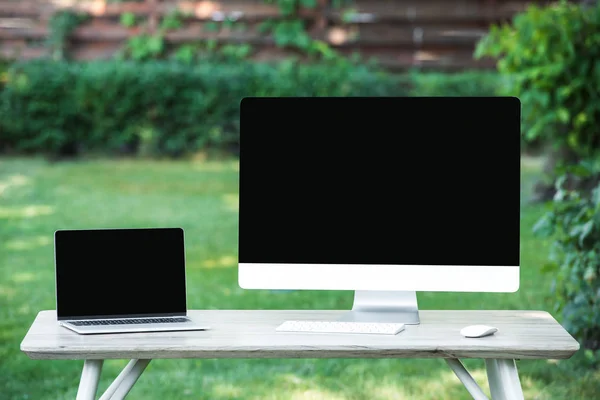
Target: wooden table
251, 334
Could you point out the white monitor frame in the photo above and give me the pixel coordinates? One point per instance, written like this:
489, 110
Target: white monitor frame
430, 278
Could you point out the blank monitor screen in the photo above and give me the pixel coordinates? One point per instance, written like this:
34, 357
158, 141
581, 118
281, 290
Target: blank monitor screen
403, 181
120, 272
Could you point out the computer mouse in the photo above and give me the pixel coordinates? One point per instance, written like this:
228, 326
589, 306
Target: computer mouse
477, 331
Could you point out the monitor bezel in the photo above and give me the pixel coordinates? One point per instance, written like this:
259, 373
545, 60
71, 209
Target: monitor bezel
431, 278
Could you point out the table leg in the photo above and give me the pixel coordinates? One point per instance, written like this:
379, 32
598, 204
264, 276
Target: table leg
465, 377
90, 376
125, 381
503, 378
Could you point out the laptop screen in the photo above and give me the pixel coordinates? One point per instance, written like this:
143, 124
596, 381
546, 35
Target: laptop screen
120, 272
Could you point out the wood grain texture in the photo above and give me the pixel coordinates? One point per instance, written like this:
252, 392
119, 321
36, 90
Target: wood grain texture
251, 334
400, 34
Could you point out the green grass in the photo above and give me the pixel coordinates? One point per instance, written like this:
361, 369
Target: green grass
37, 198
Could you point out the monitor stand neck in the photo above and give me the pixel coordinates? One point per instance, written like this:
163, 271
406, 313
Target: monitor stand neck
383, 306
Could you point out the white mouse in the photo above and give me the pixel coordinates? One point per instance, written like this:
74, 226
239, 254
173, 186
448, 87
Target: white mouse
477, 331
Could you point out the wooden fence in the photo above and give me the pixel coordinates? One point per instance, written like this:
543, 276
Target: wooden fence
400, 34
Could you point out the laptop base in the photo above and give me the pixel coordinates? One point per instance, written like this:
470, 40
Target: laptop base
134, 328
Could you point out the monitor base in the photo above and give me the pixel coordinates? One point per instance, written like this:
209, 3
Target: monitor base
384, 306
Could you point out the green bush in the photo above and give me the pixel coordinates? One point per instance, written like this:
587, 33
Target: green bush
551, 55
574, 220
468, 83
169, 108
156, 107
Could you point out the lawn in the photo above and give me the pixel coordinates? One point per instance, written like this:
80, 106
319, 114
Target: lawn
37, 198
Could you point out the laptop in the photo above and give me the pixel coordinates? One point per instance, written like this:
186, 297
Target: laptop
121, 280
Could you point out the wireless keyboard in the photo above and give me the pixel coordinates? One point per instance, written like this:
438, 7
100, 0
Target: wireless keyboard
341, 327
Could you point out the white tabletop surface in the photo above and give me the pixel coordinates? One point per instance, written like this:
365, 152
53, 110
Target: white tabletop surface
251, 334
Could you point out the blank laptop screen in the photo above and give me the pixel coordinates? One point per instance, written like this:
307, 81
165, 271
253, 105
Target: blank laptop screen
120, 272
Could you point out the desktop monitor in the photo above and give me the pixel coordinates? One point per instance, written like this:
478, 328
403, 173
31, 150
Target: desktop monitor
383, 196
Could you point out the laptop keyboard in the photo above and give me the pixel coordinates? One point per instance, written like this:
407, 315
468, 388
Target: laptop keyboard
129, 321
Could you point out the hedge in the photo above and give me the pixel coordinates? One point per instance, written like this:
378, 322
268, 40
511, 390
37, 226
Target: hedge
468, 83
173, 109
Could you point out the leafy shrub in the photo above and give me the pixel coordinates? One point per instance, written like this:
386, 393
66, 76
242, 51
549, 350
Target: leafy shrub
469, 83
551, 55
574, 219
161, 107
62, 24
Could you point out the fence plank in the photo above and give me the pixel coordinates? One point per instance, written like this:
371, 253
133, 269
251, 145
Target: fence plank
399, 33
362, 12
428, 11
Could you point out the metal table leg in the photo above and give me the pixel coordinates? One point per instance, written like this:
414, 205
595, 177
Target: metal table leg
90, 376
503, 378
467, 380
125, 381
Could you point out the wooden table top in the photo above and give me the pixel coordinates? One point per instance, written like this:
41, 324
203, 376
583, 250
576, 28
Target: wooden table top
251, 334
